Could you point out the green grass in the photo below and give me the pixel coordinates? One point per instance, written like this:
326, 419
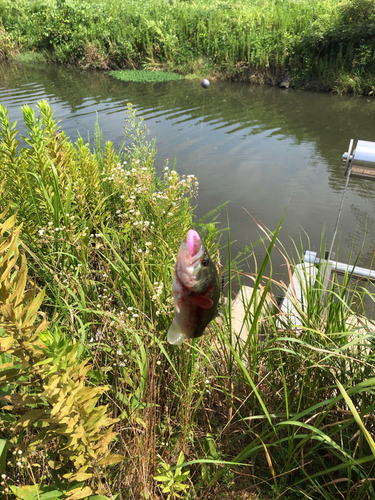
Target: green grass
30, 57
145, 76
287, 413
315, 43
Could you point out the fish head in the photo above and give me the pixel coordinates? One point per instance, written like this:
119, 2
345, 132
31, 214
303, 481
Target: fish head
194, 267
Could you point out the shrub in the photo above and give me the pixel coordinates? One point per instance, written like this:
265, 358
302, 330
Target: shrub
48, 404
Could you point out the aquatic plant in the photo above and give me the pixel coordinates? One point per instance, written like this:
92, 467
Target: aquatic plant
145, 76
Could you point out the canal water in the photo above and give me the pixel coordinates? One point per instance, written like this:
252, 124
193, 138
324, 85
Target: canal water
261, 148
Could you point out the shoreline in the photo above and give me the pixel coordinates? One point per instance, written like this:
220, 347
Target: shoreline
240, 74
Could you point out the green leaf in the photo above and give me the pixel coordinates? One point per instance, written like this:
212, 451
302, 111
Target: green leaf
49, 493
3, 454
180, 487
26, 492
357, 417
111, 459
162, 478
97, 497
180, 458
182, 477
44, 361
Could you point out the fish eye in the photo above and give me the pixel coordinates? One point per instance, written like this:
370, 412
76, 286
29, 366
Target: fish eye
205, 262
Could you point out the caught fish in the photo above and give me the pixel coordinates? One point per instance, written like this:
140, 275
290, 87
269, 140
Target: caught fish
196, 290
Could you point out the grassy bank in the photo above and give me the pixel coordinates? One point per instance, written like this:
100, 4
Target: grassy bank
326, 45
95, 402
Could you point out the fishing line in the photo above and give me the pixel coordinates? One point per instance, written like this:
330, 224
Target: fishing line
205, 84
348, 170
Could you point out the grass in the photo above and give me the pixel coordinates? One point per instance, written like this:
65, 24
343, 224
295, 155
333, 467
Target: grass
287, 413
322, 45
29, 57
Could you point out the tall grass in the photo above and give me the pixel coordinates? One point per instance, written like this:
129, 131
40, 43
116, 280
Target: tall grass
316, 43
287, 412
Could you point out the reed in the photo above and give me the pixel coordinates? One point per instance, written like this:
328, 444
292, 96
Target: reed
287, 412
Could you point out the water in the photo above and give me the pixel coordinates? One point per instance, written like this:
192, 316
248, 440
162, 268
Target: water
263, 149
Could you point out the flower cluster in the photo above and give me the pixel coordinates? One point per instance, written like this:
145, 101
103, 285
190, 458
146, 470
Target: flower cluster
158, 290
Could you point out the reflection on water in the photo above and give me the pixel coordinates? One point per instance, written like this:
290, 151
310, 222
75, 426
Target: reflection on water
261, 148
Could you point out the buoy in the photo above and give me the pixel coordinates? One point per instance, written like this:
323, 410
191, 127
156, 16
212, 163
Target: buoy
205, 83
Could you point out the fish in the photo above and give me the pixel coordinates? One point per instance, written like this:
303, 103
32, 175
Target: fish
196, 290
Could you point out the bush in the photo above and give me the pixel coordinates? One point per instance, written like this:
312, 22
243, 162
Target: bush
48, 404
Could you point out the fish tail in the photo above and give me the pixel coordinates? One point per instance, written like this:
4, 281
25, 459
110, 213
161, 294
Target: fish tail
175, 335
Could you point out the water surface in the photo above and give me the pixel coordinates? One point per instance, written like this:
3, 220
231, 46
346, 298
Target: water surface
260, 148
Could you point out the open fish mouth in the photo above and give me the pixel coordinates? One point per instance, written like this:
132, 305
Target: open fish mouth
195, 247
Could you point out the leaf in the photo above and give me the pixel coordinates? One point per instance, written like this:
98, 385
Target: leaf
44, 361
80, 476
49, 493
6, 343
79, 493
357, 417
180, 487
110, 460
26, 492
97, 497
31, 417
162, 478
3, 454
180, 458
182, 477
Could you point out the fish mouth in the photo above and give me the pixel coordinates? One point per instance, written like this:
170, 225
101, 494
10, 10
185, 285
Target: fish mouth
198, 252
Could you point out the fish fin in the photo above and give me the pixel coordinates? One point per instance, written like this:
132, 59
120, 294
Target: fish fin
202, 301
175, 335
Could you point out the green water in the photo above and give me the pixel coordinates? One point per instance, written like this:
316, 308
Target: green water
260, 148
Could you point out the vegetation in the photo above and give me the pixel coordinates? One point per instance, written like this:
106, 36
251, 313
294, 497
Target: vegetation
288, 412
328, 44
145, 76
47, 399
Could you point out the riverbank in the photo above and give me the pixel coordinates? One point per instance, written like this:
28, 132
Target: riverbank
326, 45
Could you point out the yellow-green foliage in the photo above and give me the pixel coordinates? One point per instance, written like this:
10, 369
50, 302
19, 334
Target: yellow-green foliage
18, 310
46, 390
38, 179
6, 45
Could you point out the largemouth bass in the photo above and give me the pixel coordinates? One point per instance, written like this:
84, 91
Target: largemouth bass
196, 290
